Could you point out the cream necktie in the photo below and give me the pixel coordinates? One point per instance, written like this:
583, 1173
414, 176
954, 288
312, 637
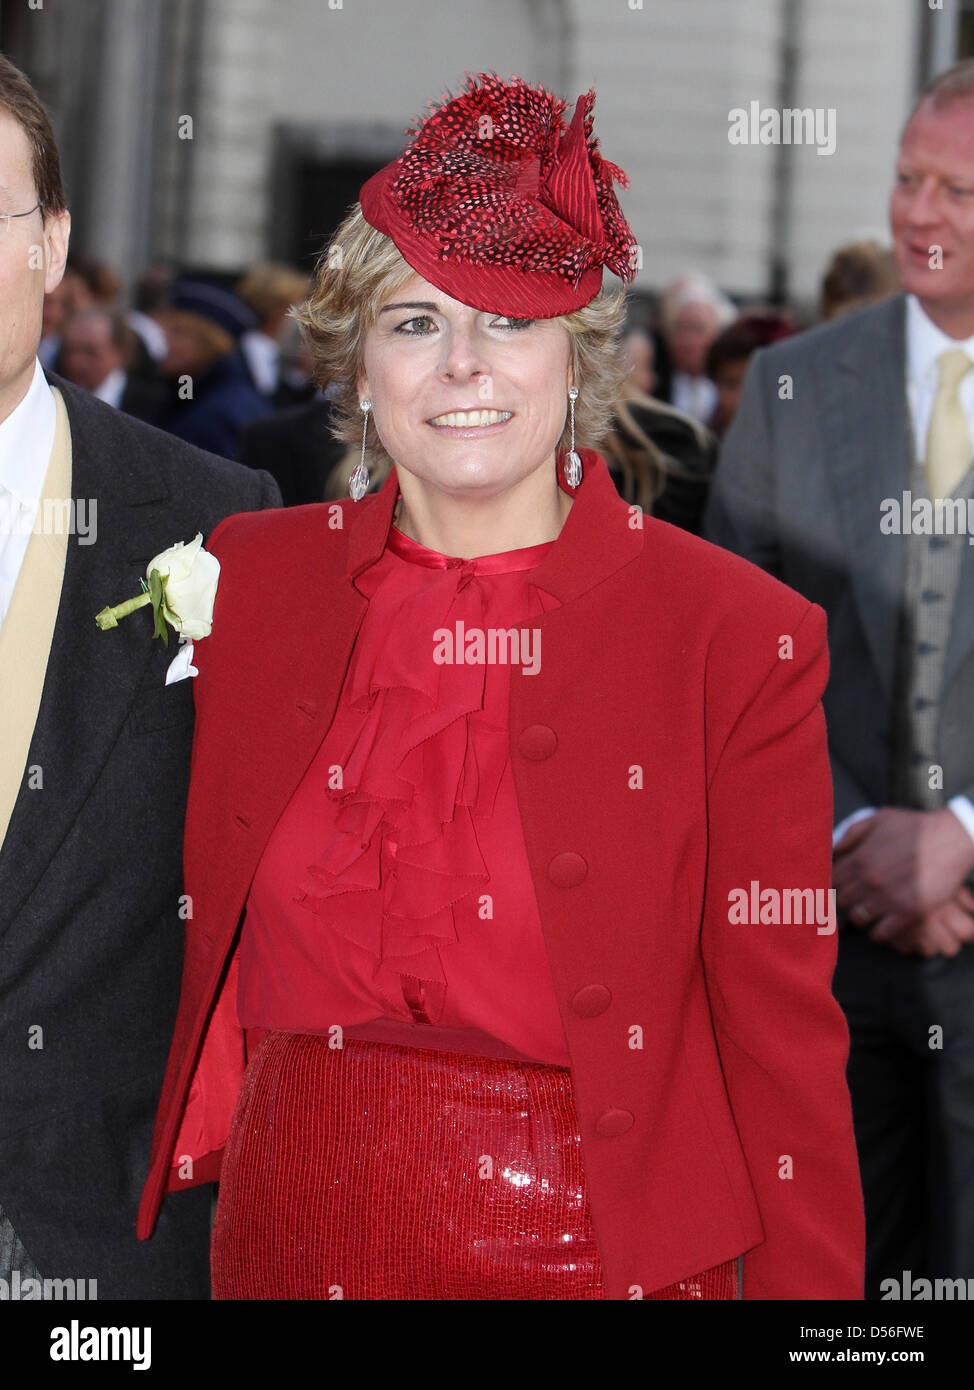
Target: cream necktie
949, 436
11, 510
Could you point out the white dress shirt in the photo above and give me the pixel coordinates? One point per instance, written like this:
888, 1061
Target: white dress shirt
112, 389
263, 355
26, 441
152, 334
924, 344
694, 395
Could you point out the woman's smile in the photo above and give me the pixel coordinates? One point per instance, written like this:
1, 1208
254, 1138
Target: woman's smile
471, 424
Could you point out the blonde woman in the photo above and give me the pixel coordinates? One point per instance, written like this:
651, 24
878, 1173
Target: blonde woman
480, 760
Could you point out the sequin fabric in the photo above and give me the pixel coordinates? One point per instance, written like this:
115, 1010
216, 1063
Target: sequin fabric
377, 1171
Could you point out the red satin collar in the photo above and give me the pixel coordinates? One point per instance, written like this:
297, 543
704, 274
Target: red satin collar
504, 562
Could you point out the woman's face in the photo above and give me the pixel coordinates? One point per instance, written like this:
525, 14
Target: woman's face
429, 356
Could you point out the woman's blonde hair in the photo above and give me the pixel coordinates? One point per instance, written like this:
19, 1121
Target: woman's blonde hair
358, 270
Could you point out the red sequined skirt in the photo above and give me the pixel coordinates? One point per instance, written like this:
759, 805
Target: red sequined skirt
374, 1171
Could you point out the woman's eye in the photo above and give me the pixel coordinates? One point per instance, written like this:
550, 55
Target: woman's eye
413, 332
502, 321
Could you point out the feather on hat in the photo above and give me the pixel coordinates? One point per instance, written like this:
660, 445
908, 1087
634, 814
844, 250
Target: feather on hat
501, 205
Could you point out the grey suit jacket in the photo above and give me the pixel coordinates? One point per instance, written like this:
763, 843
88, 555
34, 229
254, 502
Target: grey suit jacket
798, 490
91, 932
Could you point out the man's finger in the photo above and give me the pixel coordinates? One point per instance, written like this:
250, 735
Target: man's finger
848, 890
958, 922
855, 835
965, 898
905, 943
940, 937
891, 927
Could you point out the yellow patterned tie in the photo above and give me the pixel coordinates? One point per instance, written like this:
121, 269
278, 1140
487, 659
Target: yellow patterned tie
949, 437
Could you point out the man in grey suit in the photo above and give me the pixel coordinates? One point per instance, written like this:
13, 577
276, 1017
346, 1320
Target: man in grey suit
93, 781
848, 475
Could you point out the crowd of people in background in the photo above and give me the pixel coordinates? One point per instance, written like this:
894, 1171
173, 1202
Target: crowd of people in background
702, 437
216, 360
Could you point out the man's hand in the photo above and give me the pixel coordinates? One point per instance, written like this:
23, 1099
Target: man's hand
942, 932
901, 864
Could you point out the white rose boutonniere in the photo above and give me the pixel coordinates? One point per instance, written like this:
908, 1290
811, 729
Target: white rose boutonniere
182, 590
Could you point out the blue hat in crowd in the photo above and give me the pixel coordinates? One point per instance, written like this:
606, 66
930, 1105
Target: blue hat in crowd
214, 302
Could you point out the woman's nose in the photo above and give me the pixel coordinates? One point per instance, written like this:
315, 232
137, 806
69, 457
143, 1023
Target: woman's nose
464, 353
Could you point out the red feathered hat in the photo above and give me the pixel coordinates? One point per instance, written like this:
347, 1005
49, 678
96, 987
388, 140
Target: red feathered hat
501, 205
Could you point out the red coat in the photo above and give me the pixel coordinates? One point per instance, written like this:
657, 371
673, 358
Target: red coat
670, 751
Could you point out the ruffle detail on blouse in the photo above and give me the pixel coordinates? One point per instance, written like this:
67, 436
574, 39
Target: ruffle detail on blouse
422, 748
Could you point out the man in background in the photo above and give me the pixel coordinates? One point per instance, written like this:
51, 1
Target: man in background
840, 432
692, 313
269, 289
93, 780
96, 349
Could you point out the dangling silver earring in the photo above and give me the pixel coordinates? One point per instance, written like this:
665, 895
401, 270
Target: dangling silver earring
572, 466
358, 483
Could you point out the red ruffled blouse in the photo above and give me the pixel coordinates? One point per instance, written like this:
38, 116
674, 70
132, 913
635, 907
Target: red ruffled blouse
394, 896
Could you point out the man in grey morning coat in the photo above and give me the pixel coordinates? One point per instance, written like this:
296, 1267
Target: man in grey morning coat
848, 474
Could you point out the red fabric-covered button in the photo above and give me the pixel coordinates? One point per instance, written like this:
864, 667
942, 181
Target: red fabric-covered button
591, 1001
614, 1123
566, 870
537, 742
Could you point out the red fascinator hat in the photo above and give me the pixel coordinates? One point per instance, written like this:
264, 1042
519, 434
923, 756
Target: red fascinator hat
503, 206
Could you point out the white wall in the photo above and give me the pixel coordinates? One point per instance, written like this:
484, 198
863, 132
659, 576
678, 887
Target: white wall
666, 76
301, 60
860, 59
